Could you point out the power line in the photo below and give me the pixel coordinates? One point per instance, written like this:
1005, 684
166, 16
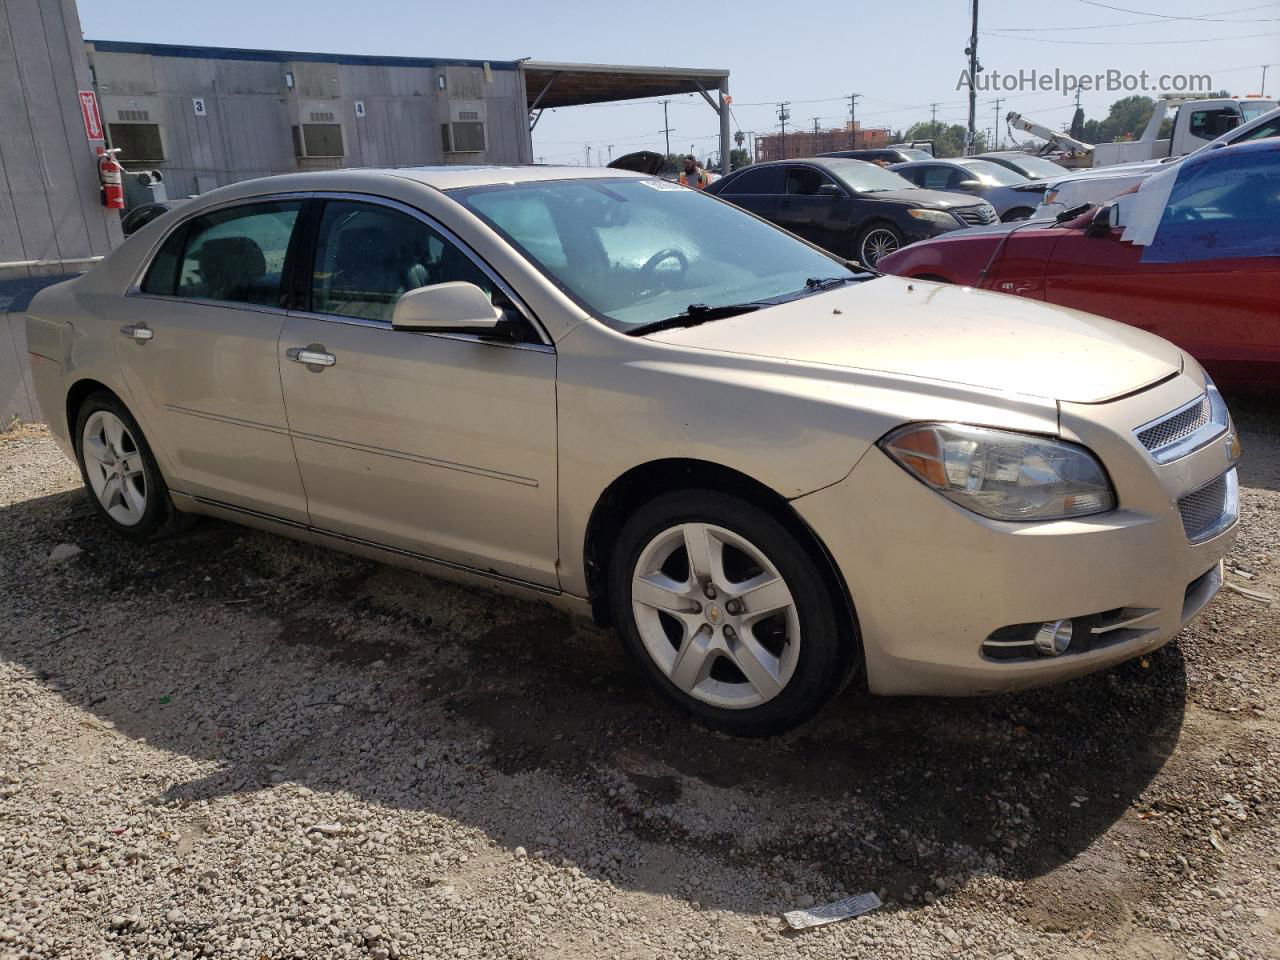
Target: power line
1125, 43
1206, 18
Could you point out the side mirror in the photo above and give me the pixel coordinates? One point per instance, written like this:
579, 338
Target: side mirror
970, 184
454, 307
1102, 222
830, 190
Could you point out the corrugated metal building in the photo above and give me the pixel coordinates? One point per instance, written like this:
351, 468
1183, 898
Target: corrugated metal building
208, 116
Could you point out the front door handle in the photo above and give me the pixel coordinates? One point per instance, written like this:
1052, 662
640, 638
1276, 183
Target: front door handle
138, 331
312, 356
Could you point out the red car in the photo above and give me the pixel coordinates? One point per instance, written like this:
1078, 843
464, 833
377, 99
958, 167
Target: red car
1193, 256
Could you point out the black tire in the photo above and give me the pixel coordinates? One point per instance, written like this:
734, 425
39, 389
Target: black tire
828, 653
862, 255
1017, 213
160, 518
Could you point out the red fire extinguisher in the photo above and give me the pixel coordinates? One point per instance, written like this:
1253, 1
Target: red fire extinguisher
111, 176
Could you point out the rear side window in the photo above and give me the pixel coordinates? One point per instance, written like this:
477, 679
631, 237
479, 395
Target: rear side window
235, 255
766, 180
1211, 124
162, 275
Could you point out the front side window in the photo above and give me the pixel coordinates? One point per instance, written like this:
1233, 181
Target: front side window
935, 177
1211, 124
236, 255
634, 251
367, 255
805, 181
991, 174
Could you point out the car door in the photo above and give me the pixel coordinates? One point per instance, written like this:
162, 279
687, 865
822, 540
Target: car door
757, 189
807, 210
439, 445
1210, 279
197, 350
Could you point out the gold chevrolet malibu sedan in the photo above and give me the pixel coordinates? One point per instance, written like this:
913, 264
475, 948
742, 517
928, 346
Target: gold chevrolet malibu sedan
769, 469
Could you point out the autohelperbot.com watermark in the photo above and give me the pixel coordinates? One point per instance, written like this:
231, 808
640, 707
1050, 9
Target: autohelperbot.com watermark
1065, 82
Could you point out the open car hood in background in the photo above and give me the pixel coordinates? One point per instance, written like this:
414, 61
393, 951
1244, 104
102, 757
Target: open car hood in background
642, 161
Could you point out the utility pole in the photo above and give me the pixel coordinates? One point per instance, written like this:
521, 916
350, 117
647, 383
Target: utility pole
972, 51
996, 128
588, 146
1263, 91
611, 153
666, 126
853, 120
783, 116
933, 119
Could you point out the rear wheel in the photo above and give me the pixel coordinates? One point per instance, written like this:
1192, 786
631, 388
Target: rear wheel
120, 471
876, 241
727, 613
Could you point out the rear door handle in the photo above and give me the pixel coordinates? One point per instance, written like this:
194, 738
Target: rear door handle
138, 331
311, 356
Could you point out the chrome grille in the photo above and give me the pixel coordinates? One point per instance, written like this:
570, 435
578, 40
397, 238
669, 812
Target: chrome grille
977, 216
1179, 424
1211, 509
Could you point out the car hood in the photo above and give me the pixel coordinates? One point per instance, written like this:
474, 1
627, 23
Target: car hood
917, 197
947, 333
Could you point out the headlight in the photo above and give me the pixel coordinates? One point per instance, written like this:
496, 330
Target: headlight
1004, 476
936, 216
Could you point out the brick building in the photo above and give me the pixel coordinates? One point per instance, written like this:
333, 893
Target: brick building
808, 143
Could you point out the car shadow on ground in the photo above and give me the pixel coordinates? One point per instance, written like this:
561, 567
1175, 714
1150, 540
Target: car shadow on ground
268, 660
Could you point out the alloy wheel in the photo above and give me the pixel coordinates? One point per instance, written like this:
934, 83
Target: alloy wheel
715, 615
113, 463
878, 243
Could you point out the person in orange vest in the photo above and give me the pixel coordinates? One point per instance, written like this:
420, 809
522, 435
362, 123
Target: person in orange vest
693, 175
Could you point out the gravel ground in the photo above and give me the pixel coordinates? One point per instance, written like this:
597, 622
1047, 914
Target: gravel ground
231, 744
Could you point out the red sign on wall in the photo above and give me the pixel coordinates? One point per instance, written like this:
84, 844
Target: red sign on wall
89, 112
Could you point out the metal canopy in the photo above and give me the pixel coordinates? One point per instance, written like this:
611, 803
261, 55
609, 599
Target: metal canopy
549, 85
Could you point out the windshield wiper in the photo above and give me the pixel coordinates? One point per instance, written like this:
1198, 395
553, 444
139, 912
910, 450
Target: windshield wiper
693, 315
822, 283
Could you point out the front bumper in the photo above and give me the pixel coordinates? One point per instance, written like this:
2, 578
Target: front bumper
931, 581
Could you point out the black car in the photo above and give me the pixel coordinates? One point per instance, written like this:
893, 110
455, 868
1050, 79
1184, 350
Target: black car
882, 155
852, 208
144, 213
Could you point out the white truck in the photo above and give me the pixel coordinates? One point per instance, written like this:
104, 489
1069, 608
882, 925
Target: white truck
1196, 123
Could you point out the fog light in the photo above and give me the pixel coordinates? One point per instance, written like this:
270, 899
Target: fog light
1053, 638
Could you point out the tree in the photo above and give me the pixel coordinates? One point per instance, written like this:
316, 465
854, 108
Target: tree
948, 141
739, 158
1125, 120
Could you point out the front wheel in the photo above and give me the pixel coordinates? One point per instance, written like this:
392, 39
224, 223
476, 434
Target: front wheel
1017, 213
876, 241
727, 614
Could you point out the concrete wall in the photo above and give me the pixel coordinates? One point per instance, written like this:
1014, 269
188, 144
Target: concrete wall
249, 109
50, 210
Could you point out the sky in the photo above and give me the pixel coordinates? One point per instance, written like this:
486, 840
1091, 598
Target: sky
899, 57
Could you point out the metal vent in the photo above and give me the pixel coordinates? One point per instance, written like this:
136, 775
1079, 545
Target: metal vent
1175, 426
134, 116
1211, 509
325, 116
468, 115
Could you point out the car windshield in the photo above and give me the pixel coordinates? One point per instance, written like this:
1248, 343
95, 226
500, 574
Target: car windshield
992, 174
1253, 109
1037, 168
637, 251
864, 177
911, 153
